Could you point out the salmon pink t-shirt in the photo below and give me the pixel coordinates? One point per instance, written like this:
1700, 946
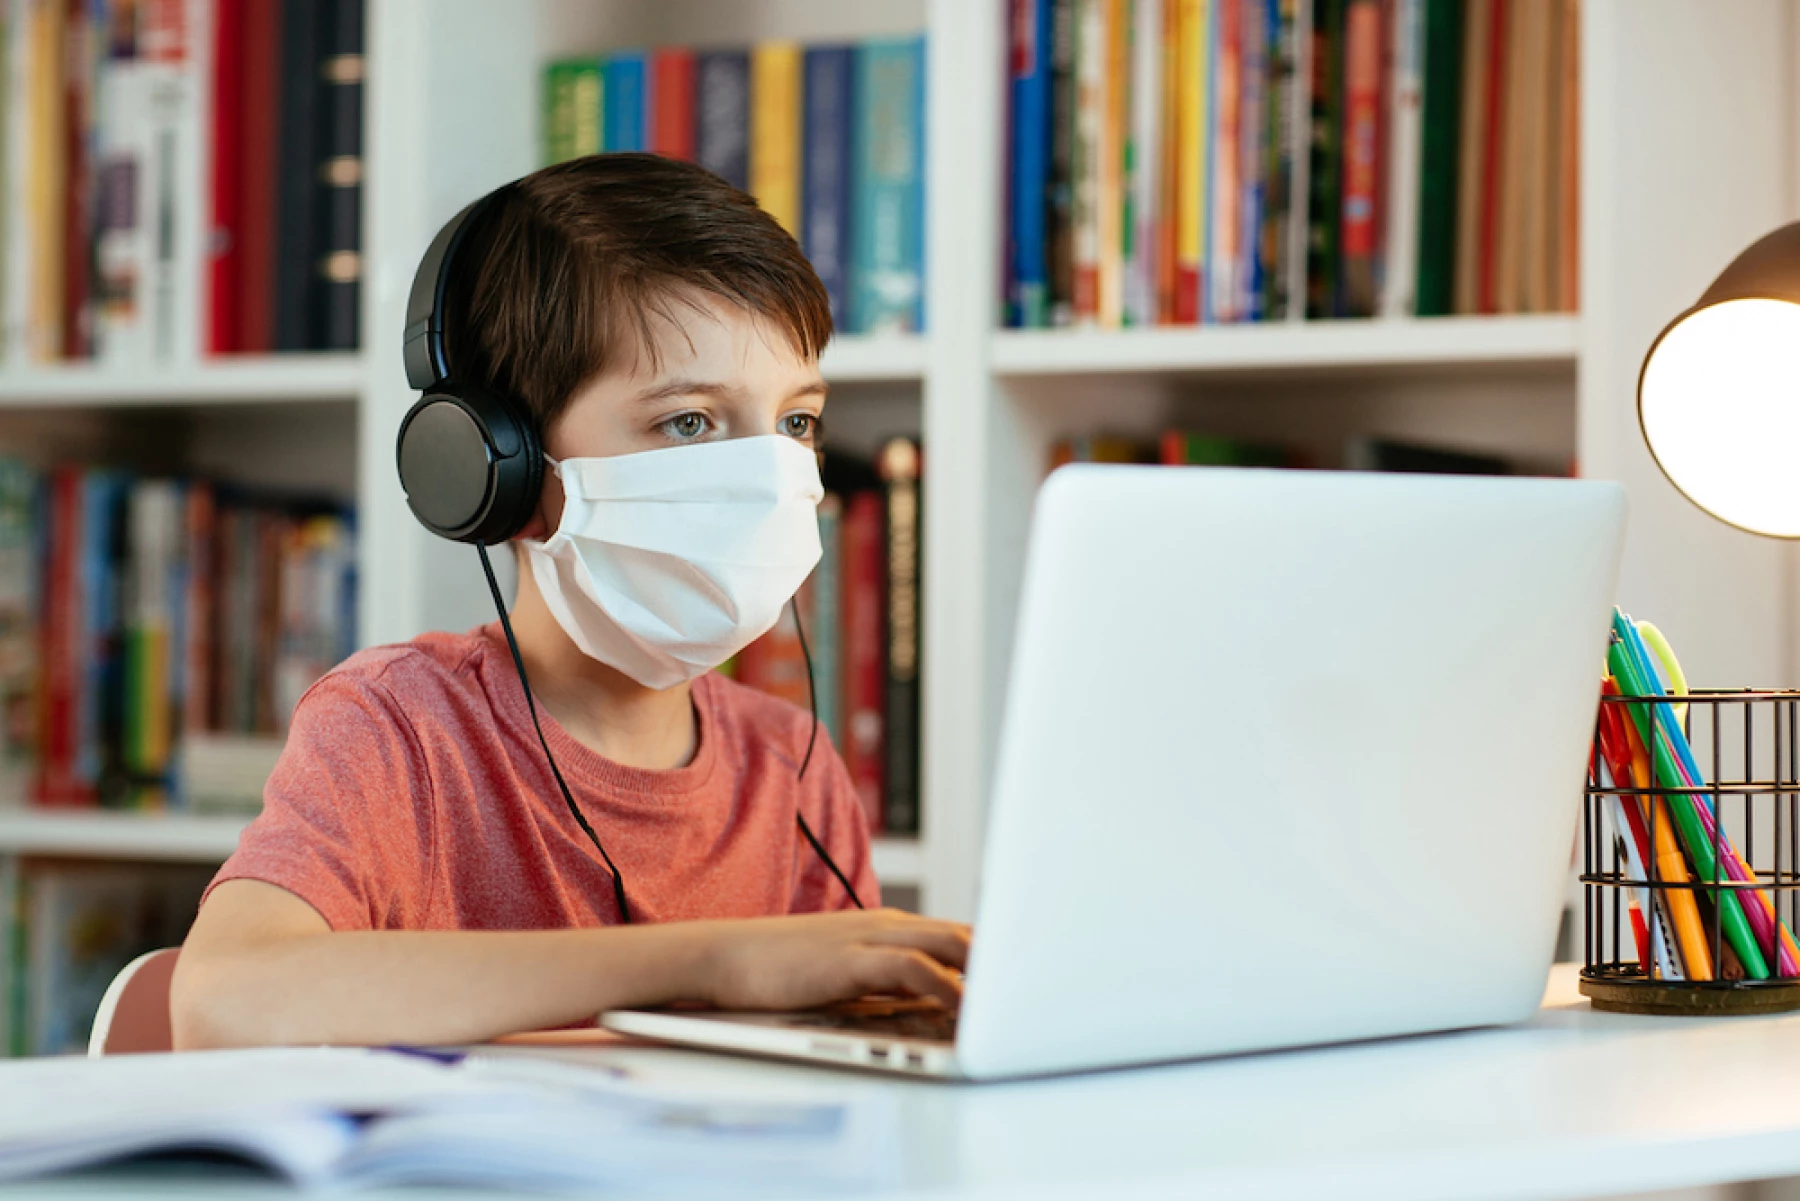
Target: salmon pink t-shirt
413, 795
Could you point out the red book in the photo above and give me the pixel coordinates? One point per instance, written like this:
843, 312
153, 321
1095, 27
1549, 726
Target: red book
1363, 94
1493, 139
224, 249
672, 103
864, 599
774, 663
59, 657
257, 166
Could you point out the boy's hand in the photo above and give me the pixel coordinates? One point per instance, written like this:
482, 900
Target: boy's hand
815, 959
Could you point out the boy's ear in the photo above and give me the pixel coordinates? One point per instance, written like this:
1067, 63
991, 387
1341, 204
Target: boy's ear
548, 514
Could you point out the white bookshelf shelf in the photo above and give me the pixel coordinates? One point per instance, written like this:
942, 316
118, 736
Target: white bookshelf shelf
874, 358
248, 379
191, 838
1340, 347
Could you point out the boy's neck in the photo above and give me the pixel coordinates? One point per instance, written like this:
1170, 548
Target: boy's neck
599, 706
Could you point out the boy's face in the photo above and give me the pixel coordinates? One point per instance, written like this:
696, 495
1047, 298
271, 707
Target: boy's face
721, 373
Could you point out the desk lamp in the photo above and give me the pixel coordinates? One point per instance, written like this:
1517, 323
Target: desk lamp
1719, 395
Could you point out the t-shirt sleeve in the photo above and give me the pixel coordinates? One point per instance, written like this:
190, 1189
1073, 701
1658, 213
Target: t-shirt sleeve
346, 821
836, 817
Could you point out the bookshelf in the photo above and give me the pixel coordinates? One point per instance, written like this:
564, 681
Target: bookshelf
1685, 158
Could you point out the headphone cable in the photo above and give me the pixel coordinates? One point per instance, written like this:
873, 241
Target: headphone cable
519, 662
812, 705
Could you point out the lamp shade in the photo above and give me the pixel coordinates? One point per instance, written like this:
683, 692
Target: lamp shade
1719, 394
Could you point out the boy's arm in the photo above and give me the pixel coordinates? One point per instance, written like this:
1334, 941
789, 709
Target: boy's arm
262, 967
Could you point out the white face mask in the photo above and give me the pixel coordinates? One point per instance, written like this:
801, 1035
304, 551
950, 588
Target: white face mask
668, 562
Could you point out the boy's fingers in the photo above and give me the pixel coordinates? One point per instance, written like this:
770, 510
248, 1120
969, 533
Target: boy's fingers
896, 970
947, 942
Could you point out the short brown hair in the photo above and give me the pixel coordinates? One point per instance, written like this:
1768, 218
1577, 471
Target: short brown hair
568, 267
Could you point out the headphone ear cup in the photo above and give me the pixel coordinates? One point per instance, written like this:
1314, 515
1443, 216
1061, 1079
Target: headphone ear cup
470, 464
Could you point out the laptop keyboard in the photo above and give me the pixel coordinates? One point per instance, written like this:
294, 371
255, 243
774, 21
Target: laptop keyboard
893, 1019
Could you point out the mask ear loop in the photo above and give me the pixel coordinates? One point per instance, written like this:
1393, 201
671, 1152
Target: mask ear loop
519, 663
812, 705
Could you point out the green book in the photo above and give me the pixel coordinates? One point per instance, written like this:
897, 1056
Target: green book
573, 109
1323, 210
1435, 292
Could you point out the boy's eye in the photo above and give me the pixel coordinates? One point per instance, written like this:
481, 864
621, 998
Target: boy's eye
685, 427
801, 426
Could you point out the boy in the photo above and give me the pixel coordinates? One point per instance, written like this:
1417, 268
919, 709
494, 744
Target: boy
415, 875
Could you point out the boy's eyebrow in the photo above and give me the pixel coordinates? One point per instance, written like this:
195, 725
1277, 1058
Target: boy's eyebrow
694, 387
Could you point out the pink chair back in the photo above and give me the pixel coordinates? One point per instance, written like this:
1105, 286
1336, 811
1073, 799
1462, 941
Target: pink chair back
134, 1014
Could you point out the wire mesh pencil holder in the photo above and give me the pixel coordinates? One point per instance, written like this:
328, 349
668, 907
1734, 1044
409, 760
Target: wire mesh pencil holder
1691, 856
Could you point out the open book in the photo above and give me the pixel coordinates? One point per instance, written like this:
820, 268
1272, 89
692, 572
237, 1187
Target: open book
343, 1116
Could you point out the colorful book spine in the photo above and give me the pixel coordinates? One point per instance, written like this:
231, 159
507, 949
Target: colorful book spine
1441, 104
722, 115
865, 602
1493, 157
46, 171
624, 105
1029, 72
1144, 166
1299, 155
1191, 125
775, 131
899, 465
672, 103
20, 521
1405, 165
829, 89
1324, 219
297, 280
225, 239
1110, 210
556, 126
1086, 170
1278, 163
16, 181
888, 266
1359, 238
1223, 167
82, 34
1568, 144
825, 629
1247, 300
1060, 220
257, 158
1168, 156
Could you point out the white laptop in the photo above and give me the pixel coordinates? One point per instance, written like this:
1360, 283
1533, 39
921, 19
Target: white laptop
1288, 758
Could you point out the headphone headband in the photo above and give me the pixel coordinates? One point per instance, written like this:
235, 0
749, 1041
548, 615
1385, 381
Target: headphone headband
427, 354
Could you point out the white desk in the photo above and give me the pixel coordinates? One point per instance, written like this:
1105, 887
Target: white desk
1572, 1104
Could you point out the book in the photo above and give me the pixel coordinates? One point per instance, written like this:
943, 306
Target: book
775, 131
1359, 240
1182, 448
624, 107
1112, 150
1060, 217
81, 46
888, 217
1493, 159
1086, 169
1168, 157
258, 159
225, 235
825, 628
899, 464
1253, 68
1029, 74
15, 195
1471, 144
1192, 19
1324, 166
671, 116
1568, 144
1275, 245
862, 742
722, 114
19, 570
297, 218
1438, 203
1223, 171
1386, 454
155, 509
574, 109
1520, 100
827, 162
1406, 128
329, 1119
177, 43
46, 173
1144, 211
339, 175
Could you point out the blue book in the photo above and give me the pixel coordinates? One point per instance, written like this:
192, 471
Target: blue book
99, 715
826, 627
1028, 305
623, 107
830, 73
887, 267
722, 114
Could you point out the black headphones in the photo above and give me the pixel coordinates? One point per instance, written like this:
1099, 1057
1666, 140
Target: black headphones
471, 460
